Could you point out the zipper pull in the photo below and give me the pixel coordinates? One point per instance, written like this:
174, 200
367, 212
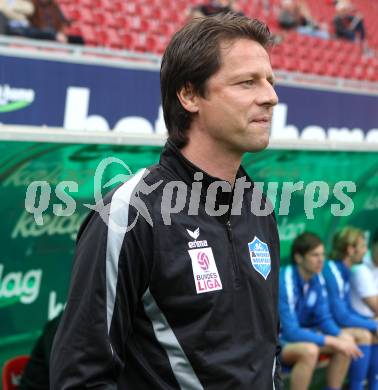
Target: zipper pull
229, 230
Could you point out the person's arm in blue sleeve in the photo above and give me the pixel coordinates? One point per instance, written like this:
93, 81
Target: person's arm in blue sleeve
339, 306
291, 329
326, 323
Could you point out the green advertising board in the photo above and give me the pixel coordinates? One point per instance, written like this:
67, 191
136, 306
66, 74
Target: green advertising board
35, 260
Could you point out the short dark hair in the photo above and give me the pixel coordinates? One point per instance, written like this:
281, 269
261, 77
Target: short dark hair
193, 56
304, 243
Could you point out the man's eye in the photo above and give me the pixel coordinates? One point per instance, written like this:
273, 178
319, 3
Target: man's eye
248, 82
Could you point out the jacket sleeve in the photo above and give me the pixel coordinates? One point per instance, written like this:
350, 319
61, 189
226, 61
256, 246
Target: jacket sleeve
110, 273
291, 329
277, 378
326, 323
339, 305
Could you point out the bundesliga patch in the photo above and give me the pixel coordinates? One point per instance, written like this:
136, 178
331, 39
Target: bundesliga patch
205, 272
260, 257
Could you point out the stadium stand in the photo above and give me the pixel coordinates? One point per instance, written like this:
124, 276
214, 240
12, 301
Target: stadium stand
142, 26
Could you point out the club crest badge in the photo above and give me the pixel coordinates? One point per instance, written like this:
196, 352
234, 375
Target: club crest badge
260, 257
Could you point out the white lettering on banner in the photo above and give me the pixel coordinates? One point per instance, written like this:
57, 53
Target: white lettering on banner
53, 174
281, 130
54, 307
77, 107
53, 225
25, 175
15, 284
9, 94
205, 272
288, 231
76, 116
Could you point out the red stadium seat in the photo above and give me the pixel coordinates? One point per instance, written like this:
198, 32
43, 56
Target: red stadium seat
109, 38
332, 69
154, 44
319, 68
372, 73
89, 35
128, 40
166, 29
359, 73
289, 63
346, 71
106, 19
12, 371
83, 15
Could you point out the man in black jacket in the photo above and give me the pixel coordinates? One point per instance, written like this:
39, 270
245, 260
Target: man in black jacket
175, 280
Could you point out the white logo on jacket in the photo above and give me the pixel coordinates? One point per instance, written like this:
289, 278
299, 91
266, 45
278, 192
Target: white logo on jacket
196, 244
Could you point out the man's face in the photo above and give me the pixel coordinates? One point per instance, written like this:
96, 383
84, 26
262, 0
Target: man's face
358, 250
312, 262
236, 111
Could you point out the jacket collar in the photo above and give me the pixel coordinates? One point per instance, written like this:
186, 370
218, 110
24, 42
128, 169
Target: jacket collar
172, 159
301, 282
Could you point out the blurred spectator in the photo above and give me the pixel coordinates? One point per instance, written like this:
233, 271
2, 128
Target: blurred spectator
295, 14
215, 7
348, 249
36, 373
364, 283
49, 20
14, 16
306, 323
349, 24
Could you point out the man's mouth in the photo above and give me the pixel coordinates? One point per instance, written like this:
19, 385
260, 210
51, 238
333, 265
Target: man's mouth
262, 119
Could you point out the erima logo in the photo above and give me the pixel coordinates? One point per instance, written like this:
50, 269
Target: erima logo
196, 244
194, 234
12, 99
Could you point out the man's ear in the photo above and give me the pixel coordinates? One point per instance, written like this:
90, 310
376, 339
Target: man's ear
188, 98
298, 258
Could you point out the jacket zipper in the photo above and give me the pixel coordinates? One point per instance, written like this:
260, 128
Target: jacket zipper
234, 261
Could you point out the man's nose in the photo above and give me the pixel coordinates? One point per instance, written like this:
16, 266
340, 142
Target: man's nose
267, 95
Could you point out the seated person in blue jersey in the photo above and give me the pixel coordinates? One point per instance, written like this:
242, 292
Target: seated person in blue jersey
348, 249
364, 283
307, 327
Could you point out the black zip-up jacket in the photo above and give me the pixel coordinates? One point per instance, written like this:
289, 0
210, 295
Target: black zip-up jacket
180, 299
